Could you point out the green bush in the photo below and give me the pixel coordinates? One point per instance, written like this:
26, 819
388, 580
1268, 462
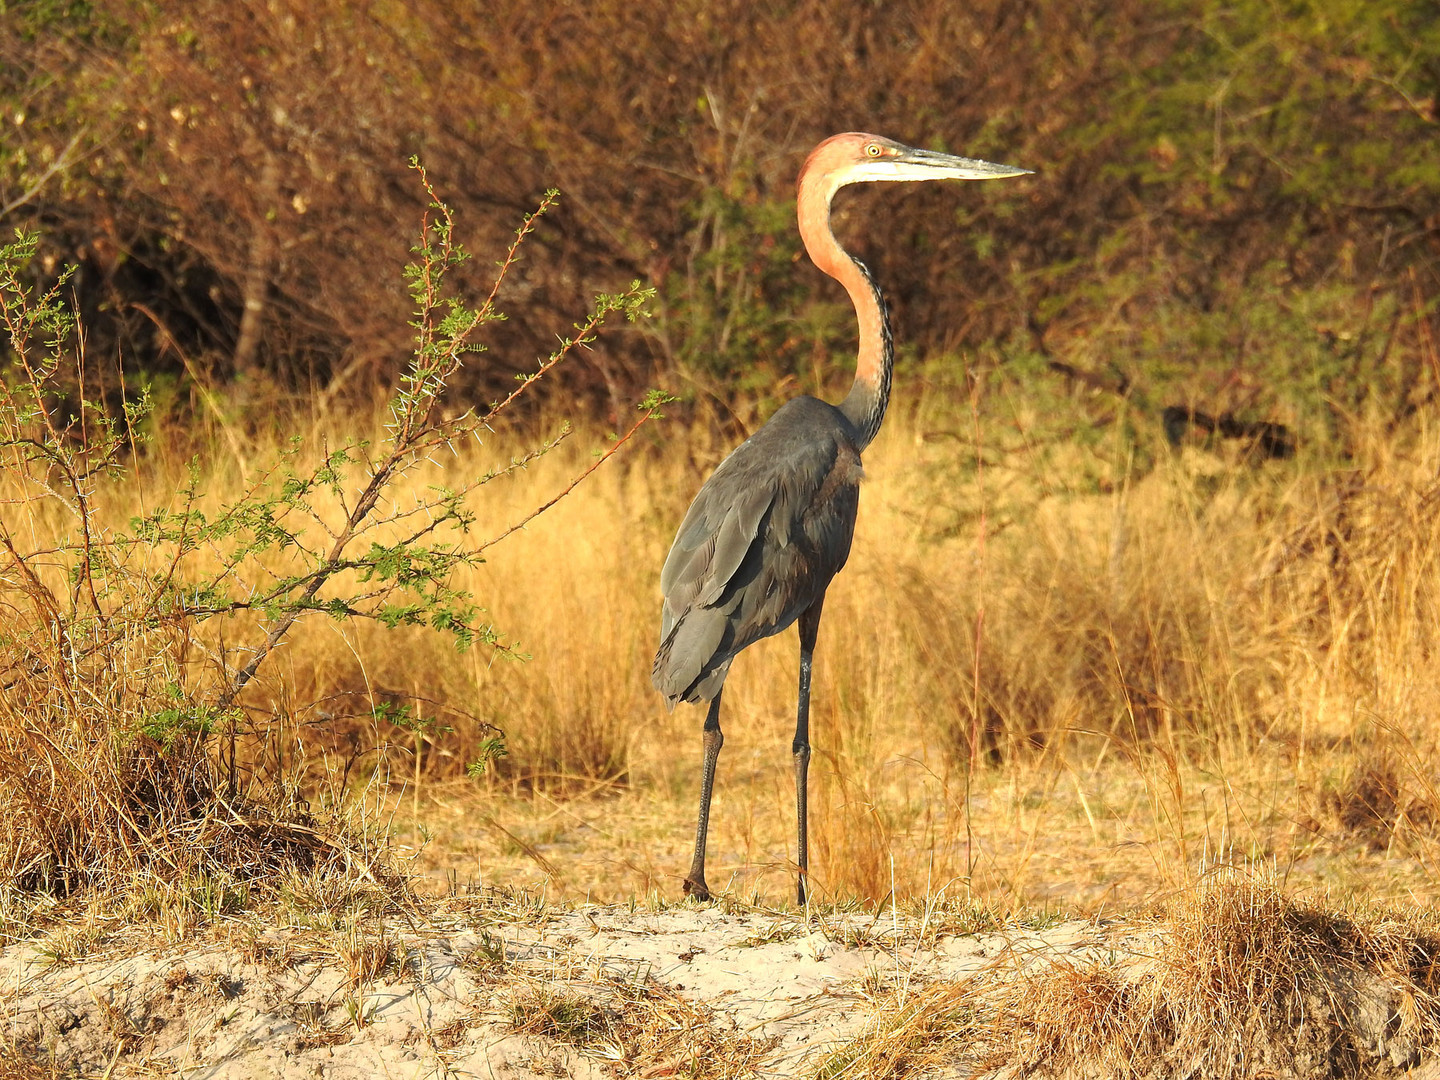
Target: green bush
126, 654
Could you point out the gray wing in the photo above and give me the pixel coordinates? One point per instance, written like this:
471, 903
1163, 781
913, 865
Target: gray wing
758, 546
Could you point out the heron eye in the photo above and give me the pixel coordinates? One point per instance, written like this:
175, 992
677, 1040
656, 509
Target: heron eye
873, 150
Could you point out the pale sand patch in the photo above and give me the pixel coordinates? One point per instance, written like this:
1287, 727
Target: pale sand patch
756, 993
218, 1011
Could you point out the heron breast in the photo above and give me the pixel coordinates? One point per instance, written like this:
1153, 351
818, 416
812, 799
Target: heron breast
846, 472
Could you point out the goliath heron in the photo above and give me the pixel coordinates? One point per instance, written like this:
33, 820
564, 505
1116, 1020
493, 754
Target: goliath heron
773, 524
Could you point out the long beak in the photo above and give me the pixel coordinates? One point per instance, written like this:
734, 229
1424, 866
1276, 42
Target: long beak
911, 164
930, 165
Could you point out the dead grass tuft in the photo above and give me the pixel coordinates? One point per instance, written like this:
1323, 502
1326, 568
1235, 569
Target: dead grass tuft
640, 1028
560, 1014
1242, 980
367, 951
1239, 980
908, 1034
1383, 803
16, 1068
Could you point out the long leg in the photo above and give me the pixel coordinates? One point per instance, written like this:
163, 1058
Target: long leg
809, 628
695, 880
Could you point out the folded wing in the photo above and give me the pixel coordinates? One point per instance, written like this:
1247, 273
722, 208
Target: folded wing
758, 546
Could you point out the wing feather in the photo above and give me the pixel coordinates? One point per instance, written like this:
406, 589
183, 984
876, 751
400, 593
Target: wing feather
759, 544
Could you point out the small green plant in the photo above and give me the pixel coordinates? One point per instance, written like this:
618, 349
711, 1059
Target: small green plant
489, 953
183, 719
359, 1012
489, 749
126, 654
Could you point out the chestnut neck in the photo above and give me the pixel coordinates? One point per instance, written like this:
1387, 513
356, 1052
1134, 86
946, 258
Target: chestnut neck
865, 405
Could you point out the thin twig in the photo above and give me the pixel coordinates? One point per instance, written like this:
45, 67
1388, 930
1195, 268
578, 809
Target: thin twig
606, 456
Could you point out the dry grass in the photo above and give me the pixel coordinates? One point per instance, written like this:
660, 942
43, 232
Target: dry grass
639, 1028
1236, 980
113, 778
1208, 657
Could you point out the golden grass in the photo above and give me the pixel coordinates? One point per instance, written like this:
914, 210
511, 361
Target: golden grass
1206, 660
1233, 980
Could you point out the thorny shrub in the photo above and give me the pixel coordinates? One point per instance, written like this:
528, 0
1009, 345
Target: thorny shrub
125, 654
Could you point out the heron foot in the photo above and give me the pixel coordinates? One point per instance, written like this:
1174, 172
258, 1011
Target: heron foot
698, 889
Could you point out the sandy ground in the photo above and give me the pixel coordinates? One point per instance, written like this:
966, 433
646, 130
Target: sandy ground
769, 993
280, 1003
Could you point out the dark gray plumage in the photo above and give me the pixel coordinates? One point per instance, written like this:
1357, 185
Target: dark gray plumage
759, 545
772, 526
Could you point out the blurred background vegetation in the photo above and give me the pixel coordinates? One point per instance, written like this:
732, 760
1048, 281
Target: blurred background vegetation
1235, 214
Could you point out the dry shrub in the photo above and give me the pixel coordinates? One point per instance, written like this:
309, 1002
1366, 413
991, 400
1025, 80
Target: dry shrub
247, 159
129, 738
1243, 980
1236, 980
105, 774
1384, 801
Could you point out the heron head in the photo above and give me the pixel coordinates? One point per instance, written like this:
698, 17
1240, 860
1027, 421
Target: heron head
858, 158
